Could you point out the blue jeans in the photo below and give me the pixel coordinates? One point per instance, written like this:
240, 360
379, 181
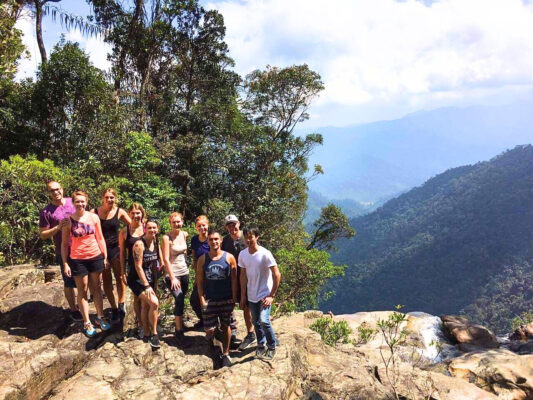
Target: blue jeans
262, 325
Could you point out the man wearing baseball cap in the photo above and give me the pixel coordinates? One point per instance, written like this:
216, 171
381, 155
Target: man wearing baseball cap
233, 243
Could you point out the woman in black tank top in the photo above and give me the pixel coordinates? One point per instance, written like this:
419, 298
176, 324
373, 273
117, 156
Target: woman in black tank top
110, 217
130, 234
141, 279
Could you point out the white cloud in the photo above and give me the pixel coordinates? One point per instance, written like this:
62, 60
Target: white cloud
400, 55
95, 47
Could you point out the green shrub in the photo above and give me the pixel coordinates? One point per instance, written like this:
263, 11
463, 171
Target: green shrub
523, 319
364, 333
332, 332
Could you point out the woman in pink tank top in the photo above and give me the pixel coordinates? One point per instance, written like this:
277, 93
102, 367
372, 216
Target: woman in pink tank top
85, 259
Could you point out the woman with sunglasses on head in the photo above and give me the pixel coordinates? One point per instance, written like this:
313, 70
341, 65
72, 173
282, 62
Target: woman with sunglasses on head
110, 216
174, 249
141, 279
199, 246
85, 259
127, 238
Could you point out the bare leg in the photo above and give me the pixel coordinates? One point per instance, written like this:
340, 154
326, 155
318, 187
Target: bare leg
121, 286
178, 322
226, 332
70, 295
150, 306
248, 319
137, 309
96, 290
108, 287
83, 303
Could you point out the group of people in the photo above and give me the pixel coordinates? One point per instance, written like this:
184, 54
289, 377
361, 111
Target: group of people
91, 248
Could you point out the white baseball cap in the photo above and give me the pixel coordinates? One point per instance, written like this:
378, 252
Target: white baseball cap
230, 219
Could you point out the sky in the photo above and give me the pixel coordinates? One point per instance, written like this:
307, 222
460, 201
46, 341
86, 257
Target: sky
378, 59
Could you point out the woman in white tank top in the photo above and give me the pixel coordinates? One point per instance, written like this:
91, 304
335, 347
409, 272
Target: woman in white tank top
174, 249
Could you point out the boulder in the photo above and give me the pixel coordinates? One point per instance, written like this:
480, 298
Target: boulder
462, 331
505, 373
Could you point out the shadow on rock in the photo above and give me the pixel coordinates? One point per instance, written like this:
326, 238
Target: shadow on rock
35, 319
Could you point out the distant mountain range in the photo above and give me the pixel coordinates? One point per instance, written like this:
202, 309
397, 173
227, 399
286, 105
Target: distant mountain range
383, 159
463, 241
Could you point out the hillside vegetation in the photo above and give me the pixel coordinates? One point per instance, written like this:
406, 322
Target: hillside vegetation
460, 242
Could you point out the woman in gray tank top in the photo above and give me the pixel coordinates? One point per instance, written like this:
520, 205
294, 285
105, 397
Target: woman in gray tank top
174, 249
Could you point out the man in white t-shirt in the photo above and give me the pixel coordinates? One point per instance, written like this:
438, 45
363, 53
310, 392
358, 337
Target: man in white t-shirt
259, 284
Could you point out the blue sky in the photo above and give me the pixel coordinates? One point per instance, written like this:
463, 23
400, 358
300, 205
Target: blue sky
379, 59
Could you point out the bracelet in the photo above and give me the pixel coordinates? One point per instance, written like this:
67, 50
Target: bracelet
147, 286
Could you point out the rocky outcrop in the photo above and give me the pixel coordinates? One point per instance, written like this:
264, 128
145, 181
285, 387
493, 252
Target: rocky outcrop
508, 375
44, 356
468, 335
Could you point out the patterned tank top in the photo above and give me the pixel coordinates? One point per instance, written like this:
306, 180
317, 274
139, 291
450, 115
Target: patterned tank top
83, 234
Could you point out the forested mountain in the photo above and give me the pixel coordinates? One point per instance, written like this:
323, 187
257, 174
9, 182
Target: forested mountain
352, 208
382, 159
462, 241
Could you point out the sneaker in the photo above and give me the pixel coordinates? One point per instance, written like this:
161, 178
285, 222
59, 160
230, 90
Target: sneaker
248, 341
122, 310
102, 324
89, 330
234, 342
270, 354
154, 342
115, 316
140, 333
76, 316
226, 360
260, 352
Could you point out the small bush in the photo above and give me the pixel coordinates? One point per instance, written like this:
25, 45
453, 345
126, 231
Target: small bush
523, 319
364, 333
332, 332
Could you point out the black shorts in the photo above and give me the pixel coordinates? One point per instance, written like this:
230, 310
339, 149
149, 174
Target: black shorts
112, 252
137, 287
217, 310
84, 267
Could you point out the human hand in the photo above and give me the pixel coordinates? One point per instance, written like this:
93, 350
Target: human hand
175, 284
267, 301
67, 271
62, 223
203, 303
106, 263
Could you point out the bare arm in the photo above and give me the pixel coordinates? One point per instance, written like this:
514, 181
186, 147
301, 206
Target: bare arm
65, 237
244, 282
47, 233
200, 280
165, 246
138, 249
123, 216
234, 282
122, 244
276, 279
100, 239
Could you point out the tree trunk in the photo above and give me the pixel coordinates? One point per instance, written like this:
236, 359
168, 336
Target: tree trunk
39, 29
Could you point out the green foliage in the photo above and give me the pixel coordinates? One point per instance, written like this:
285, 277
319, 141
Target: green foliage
11, 47
22, 194
329, 227
304, 274
461, 241
525, 318
365, 333
332, 332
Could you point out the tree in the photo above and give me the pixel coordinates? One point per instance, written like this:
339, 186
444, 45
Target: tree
73, 118
329, 227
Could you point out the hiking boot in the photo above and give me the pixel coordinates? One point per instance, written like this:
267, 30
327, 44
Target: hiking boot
104, 326
260, 352
115, 316
270, 354
140, 333
154, 342
76, 316
226, 360
122, 310
248, 341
